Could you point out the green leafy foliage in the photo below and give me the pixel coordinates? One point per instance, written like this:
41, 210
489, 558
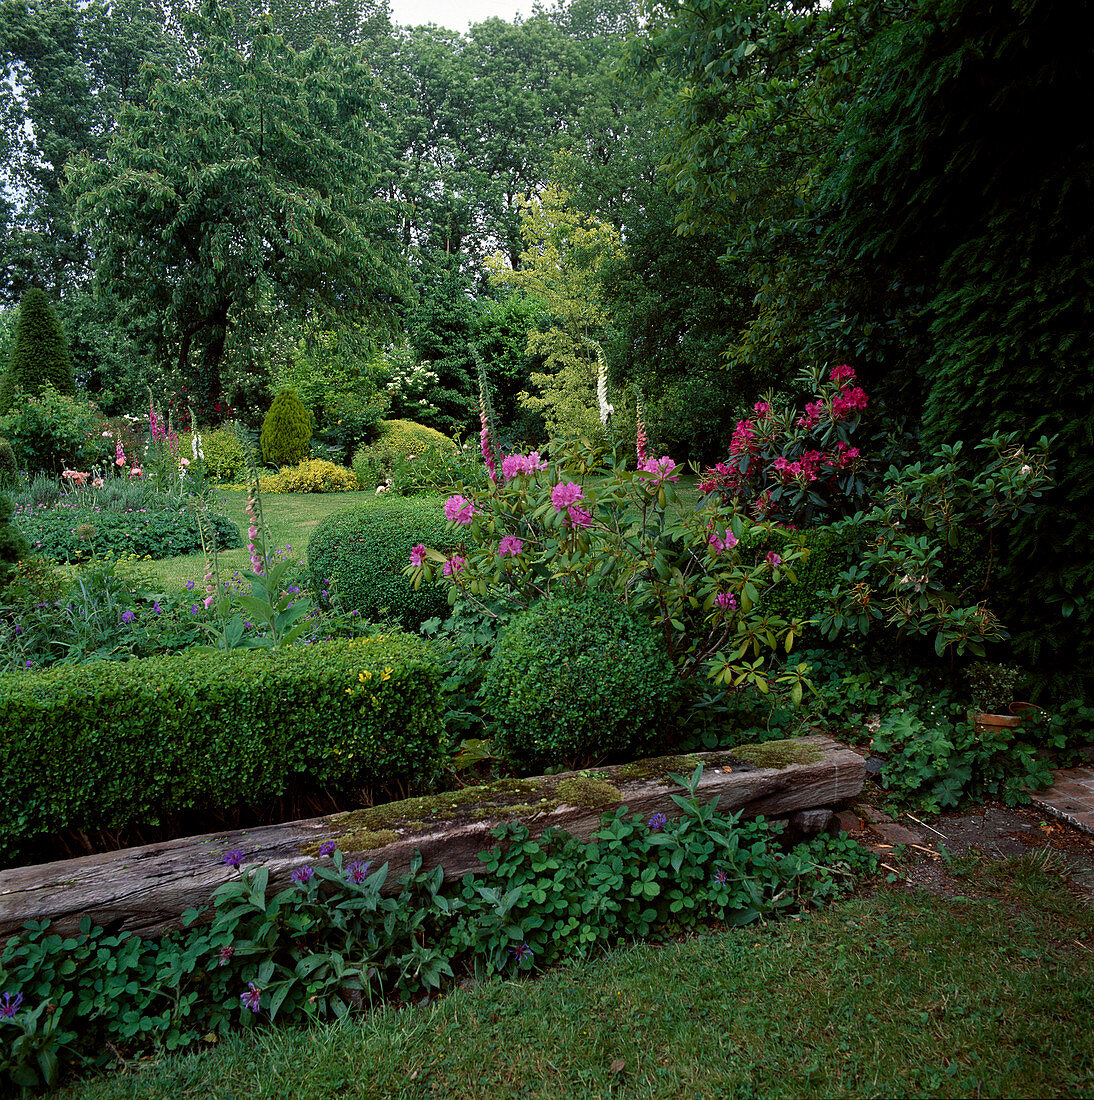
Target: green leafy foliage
135, 741
39, 354
13, 546
318, 948
219, 450
79, 526
286, 431
357, 557
578, 682
52, 431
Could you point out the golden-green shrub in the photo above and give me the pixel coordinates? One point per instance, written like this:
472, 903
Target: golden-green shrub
222, 453
316, 475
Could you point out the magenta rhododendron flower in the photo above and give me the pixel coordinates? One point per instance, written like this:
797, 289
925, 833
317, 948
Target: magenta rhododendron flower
566, 493
417, 554
521, 464
459, 509
661, 468
849, 401
723, 542
510, 545
842, 372
454, 565
761, 409
579, 517
773, 559
726, 600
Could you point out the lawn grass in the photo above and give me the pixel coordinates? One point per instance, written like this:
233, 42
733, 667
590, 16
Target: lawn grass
290, 520
905, 993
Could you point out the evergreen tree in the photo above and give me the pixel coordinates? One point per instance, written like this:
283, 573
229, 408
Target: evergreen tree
286, 431
39, 352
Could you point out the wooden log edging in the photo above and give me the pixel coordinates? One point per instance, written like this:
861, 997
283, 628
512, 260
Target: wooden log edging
146, 889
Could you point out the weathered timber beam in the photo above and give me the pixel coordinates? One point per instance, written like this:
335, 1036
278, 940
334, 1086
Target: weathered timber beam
146, 889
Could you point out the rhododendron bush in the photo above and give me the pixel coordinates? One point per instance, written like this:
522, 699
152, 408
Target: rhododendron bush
572, 519
798, 468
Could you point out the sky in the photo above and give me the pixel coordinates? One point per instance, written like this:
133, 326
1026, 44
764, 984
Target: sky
457, 15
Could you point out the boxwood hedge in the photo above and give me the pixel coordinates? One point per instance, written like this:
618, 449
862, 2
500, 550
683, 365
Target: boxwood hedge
113, 744
358, 556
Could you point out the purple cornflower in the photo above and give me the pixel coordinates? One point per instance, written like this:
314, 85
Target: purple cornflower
225, 953
252, 999
657, 822
301, 876
357, 872
328, 847
10, 1005
235, 858
128, 616
521, 952
721, 878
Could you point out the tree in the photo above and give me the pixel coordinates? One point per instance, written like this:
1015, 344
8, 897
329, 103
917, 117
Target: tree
559, 266
241, 185
39, 352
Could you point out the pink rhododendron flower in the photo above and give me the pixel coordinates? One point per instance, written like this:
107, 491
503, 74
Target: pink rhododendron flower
661, 468
458, 509
842, 372
845, 454
726, 600
565, 494
761, 409
521, 464
813, 412
510, 545
454, 565
773, 559
724, 542
417, 554
579, 517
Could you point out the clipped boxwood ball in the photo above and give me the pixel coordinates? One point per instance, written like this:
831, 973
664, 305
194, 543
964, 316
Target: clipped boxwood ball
578, 681
358, 556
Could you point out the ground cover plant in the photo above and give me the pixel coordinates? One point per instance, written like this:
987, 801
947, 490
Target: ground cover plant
835, 1004
332, 941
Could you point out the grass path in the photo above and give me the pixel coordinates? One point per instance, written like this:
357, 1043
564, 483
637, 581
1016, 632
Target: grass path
905, 993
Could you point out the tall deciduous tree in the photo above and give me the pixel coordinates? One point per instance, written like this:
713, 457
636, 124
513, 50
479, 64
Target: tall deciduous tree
247, 181
560, 263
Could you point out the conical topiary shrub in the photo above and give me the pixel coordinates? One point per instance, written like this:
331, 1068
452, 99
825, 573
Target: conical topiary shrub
39, 352
286, 430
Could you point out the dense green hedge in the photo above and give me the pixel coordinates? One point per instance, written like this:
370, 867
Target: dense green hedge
73, 532
358, 556
577, 682
817, 571
118, 744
